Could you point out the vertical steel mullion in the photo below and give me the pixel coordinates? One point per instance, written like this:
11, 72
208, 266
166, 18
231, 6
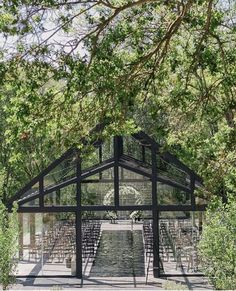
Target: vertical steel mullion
155, 215
116, 171
78, 225
41, 192
100, 156
192, 187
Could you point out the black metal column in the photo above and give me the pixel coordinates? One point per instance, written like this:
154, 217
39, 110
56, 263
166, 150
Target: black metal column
155, 217
192, 187
78, 224
100, 154
41, 192
118, 149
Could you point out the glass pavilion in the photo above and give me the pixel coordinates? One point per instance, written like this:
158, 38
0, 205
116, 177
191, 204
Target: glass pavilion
124, 174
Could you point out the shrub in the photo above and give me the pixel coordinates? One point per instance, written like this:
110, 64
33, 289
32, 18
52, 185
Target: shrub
9, 231
217, 247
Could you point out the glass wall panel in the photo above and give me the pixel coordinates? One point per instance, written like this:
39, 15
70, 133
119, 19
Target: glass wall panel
98, 190
171, 195
179, 235
62, 172
98, 154
32, 203
47, 244
63, 196
134, 189
107, 175
30, 250
90, 158
34, 190
132, 148
130, 176
172, 172
52, 198
107, 149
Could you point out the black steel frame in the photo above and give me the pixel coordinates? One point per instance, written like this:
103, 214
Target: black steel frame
119, 160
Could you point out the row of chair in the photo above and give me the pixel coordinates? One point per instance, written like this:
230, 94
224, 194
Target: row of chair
91, 232
55, 244
58, 242
178, 243
178, 240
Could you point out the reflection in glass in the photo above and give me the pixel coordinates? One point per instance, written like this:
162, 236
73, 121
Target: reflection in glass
107, 149
134, 189
63, 196
172, 172
98, 190
62, 172
32, 203
168, 195
47, 244
90, 158
33, 191
132, 148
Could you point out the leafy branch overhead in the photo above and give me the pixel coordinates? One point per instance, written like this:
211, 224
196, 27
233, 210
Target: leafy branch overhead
166, 66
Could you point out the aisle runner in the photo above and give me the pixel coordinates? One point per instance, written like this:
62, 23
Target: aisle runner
120, 254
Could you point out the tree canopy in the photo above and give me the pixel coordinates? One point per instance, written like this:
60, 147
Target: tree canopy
166, 66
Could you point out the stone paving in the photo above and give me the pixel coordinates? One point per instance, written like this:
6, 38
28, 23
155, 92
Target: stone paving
109, 283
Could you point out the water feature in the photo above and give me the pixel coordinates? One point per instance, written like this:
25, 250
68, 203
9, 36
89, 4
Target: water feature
120, 254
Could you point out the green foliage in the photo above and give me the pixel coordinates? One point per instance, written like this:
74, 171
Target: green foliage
9, 231
112, 215
137, 214
167, 67
218, 244
170, 285
89, 198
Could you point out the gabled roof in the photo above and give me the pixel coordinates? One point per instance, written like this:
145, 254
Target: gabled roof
166, 161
